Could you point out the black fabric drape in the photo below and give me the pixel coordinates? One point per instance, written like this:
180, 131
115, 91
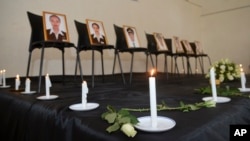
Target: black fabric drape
24, 118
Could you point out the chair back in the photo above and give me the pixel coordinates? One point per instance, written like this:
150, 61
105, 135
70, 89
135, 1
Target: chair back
169, 45
83, 37
187, 47
36, 23
198, 47
152, 45
193, 46
177, 44
120, 38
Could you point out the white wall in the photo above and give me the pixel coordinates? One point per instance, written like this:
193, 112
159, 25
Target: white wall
170, 17
225, 30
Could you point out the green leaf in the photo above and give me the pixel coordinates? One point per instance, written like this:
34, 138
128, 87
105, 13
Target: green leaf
113, 127
123, 120
110, 117
111, 109
123, 112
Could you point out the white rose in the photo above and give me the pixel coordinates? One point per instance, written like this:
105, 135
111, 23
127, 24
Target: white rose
230, 77
221, 78
128, 129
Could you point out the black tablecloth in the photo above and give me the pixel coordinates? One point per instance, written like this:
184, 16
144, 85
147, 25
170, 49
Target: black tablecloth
25, 118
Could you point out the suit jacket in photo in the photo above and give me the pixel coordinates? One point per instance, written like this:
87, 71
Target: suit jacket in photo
52, 36
95, 40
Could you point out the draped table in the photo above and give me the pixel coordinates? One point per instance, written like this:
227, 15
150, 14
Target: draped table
25, 118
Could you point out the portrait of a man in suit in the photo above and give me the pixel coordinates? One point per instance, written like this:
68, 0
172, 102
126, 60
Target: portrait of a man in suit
96, 32
55, 26
161, 45
131, 37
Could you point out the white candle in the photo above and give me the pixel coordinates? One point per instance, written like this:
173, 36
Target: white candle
153, 106
4, 80
27, 85
213, 84
47, 85
1, 77
17, 82
243, 79
85, 91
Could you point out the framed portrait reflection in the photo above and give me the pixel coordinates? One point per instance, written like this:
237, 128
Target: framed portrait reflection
160, 41
96, 32
177, 45
188, 47
55, 27
199, 49
131, 36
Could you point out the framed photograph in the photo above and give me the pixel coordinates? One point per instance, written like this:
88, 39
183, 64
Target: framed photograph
188, 47
55, 27
131, 36
177, 44
161, 44
96, 32
199, 49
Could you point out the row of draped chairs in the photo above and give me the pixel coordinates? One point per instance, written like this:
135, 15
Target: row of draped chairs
37, 41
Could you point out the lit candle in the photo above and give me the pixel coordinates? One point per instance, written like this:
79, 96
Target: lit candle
47, 85
4, 80
27, 85
1, 77
85, 91
243, 79
17, 82
213, 85
153, 106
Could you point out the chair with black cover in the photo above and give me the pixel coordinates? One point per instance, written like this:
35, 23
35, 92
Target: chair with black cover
196, 46
191, 53
85, 45
122, 47
153, 49
37, 41
171, 53
179, 52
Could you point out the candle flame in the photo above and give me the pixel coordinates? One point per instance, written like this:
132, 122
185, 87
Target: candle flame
152, 72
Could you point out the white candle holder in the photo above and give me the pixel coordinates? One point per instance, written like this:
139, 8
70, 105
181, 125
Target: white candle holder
27, 87
3, 80
214, 97
47, 95
154, 123
84, 105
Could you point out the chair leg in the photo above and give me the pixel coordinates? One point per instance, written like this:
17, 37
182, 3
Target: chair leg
28, 67
40, 71
152, 60
78, 61
102, 67
196, 69
201, 64
166, 65
146, 63
63, 67
93, 68
156, 62
189, 70
176, 66
209, 60
172, 64
120, 64
131, 69
113, 72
